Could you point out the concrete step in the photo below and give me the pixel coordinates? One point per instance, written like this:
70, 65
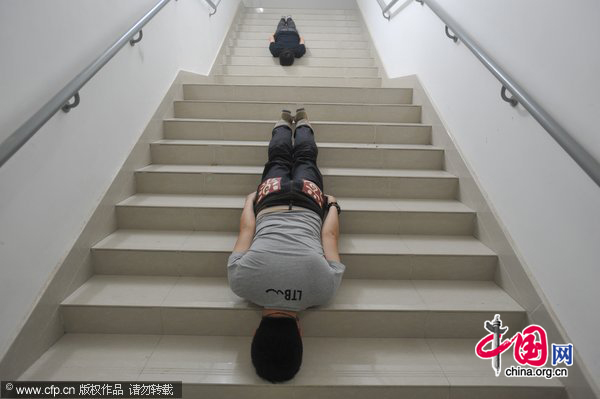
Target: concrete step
296, 81
403, 113
313, 44
119, 304
332, 155
278, 12
297, 94
270, 29
263, 51
301, 23
303, 61
297, 71
221, 367
348, 132
308, 36
361, 215
301, 16
366, 256
342, 182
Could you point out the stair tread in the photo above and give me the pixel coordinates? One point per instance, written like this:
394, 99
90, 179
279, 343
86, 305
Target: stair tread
350, 204
291, 11
283, 88
433, 174
248, 77
377, 244
327, 361
353, 294
304, 103
312, 122
254, 143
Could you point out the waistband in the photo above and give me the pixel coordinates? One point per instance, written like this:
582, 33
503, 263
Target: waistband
281, 208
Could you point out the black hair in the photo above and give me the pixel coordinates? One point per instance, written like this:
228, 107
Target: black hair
277, 349
286, 57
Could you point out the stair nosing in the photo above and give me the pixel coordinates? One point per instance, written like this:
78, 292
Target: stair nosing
253, 170
265, 143
509, 306
303, 66
399, 124
479, 249
217, 204
304, 77
296, 103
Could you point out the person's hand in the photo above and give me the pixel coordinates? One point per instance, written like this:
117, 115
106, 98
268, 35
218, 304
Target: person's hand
272, 38
330, 198
251, 196
301, 39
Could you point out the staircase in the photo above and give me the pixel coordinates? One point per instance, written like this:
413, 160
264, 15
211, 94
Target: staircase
418, 285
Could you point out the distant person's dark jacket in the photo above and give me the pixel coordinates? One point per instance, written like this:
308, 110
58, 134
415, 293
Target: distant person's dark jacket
289, 40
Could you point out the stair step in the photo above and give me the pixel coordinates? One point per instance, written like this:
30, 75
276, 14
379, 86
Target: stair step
301, 23
278, 12
310, 52
298, 70
268, 60
362, 215
204, 254
333, 155
361, 308
348, 132
343, 182
220, 366
296, 81
308, 37
268, 30
296, 94
402, 113
301, 16
314, 44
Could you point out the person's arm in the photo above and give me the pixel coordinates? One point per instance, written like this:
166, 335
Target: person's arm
330, 233
301, 39
247, 225
272, 38
299, 50
275, 48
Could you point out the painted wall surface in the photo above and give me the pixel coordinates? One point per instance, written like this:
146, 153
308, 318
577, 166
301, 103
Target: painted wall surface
549, 206
51, 187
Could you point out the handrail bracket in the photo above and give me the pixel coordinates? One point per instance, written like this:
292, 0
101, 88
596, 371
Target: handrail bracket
68, 106
451, 36
133, 40
511, 100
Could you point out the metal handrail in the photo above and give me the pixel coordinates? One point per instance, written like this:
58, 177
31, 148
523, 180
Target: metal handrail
387, 8
214, 7
60, 101
579, 154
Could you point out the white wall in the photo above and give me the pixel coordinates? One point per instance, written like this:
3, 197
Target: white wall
51, 187
550, 207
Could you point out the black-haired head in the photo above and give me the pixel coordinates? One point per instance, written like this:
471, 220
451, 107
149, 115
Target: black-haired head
277, 349
286, 57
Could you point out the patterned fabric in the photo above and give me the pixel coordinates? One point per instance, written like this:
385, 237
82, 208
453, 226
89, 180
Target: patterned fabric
268, 186
313, 191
